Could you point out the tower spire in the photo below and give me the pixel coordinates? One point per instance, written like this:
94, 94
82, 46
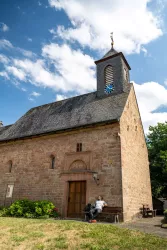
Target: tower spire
112, 40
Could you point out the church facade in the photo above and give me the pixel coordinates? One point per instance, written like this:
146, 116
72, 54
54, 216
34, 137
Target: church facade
71, 151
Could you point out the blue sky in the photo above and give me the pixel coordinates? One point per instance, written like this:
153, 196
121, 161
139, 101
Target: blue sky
48, 48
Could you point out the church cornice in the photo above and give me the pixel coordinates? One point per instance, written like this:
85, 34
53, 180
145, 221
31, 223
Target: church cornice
118, 54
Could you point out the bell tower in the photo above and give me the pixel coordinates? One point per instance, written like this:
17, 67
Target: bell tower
112, 73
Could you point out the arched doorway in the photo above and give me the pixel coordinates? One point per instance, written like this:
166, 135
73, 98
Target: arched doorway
76, 198
77, 191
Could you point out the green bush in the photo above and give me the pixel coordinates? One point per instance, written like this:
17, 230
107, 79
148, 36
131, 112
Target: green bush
44, 217
55, 212
21, 207
43, 208
4, 212
29, 215
32, 209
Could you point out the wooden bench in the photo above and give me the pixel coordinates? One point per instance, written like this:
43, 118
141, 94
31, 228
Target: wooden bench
111, 214
147, 212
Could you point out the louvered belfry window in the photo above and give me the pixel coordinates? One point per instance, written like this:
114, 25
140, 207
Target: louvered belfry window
109, 79
109, 76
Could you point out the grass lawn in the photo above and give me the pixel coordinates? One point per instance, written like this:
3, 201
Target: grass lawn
53, 234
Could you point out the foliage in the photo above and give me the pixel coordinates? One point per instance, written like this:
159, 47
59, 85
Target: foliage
3, 212
31, 209
21, 207
157, 149
29, 215
43, 217
55, 212
43, 208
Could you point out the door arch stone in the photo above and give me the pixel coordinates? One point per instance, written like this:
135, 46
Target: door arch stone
78, 165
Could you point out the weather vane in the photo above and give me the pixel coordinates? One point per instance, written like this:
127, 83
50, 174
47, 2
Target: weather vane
112, 40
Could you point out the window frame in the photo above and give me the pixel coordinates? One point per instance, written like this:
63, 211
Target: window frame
79, 147
53, 159
126, 74
10, 166
112, 74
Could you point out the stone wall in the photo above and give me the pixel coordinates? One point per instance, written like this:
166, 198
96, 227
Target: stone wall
135, 165
33, 177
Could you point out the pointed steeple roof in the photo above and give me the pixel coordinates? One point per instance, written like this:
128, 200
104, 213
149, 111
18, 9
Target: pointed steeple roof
111, 52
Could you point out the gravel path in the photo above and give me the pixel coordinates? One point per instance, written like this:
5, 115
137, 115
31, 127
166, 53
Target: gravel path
147, 225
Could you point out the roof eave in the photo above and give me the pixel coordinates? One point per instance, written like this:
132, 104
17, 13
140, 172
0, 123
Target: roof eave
60, 131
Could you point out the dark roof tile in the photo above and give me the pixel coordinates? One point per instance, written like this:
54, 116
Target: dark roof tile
75, 112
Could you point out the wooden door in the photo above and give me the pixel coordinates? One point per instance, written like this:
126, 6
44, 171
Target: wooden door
76, 198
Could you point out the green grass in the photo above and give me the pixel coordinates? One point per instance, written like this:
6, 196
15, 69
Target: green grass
34, 234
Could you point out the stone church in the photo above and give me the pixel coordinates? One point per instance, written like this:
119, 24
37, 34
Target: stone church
71, 151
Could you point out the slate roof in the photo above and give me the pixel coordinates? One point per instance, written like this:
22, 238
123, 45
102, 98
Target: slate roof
111, 52
71, 113
2, 129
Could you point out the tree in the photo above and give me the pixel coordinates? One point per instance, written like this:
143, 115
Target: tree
157, 150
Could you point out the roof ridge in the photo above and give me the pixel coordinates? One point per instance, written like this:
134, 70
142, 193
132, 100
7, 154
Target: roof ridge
72, 97
6, 126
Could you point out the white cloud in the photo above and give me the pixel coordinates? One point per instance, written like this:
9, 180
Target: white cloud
35, 94
132, 22
26, 53
77, 70
5, 44
144, 51
52, 31
31, 99
4, 27
61, 97
82, 34
18, 73
4, 59
5, 75
151, 96
39, 3
29, 39
73, 70
24, 90
165, 82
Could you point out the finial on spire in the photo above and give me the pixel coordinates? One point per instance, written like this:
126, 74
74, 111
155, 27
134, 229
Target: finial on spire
112, 40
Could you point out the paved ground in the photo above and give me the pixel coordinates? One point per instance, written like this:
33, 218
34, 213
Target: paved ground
147, 225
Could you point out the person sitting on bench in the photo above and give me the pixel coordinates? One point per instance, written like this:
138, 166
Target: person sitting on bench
99, 204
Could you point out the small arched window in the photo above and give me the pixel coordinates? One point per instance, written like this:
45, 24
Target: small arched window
109, 79
79, 147
10, 165
53, 161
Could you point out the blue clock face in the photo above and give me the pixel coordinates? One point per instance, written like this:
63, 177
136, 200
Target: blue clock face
109, 88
